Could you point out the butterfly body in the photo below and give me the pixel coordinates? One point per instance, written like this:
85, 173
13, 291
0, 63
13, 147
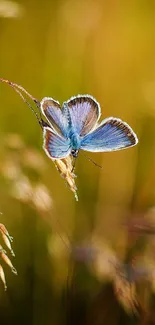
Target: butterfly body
75, 127
75, 141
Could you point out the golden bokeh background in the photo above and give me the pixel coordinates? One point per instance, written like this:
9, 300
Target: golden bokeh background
60, 49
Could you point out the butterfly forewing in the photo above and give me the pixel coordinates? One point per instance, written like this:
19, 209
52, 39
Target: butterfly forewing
112, 134
84, 113
55, 146
52, 111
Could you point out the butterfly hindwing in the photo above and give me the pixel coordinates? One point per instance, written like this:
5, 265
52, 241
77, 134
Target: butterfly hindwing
112, 134
55, 145
52, 111
84, 112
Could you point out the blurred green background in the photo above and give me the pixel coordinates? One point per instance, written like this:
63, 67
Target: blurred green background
63, 48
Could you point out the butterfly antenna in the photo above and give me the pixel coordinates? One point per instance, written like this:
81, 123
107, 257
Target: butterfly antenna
92, 160
17, 88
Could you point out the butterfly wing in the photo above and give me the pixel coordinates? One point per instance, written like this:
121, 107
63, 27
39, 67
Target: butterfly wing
84, 112
52, 111
55, 145
112, 134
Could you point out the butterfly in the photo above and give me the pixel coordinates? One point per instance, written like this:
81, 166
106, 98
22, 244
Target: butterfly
76, 127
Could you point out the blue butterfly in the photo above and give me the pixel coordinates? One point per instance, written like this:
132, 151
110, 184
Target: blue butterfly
75, 127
